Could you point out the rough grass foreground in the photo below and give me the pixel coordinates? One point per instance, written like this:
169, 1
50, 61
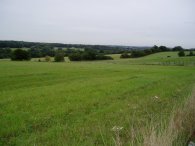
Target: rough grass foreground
178, 131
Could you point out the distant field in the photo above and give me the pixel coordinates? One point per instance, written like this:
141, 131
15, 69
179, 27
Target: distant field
78, 103
163, 58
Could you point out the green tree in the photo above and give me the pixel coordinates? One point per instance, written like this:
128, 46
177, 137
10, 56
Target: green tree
191, 53
137, 53
20, 55
177, 48
59, 56
76, 56
181, 53
89, 55
125, 55
163, 48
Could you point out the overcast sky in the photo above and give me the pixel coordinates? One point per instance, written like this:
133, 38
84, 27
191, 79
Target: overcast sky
114, 22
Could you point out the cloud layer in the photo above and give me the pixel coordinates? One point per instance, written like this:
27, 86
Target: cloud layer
124, 22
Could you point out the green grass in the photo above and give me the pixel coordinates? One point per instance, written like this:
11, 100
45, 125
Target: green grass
158, 59
78, 103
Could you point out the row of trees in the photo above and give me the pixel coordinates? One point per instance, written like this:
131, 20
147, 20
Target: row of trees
154, 49
88, 55
20, 54
42, 51
38, 49
80, 54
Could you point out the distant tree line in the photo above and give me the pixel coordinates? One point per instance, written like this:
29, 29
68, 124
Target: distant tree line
77, 52
42, 49
88, 54
154, 49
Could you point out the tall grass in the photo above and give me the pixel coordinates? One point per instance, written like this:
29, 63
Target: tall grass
179, 129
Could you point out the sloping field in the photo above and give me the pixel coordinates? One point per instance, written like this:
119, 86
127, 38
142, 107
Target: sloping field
79, 103
162, 58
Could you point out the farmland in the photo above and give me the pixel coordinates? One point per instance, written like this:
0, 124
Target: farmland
79, 103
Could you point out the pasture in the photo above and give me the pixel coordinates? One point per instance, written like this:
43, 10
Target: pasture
79, 103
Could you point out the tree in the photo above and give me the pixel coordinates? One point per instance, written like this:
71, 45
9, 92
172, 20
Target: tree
155, 49
75, 56
163, 48
20, 55
89, 55
125, 55
177, 48
35, 52
181, 53
59, 56
191, 53
137, 53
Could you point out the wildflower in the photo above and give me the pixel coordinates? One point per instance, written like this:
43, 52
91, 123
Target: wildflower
117, 128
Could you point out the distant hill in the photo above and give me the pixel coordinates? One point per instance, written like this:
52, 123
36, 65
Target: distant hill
24, 44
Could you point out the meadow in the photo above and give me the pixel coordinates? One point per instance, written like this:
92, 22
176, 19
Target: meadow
90, 102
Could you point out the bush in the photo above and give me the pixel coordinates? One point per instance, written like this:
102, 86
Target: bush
137, 53
163, 49
47, 58
20, 55
103, 57
59, 57
181, 53
89, 55
75, 56
125, 55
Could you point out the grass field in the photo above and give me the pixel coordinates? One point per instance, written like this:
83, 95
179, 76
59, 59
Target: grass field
158, 59
79, 103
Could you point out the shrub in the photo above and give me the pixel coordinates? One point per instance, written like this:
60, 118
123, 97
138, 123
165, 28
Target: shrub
47, 58
125, 55
163, 49
59, 56
75, 56
137, 53
103, 57
181, 53
20, 55
89, 55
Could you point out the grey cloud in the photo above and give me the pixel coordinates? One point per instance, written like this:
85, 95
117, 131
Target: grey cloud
117, 22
